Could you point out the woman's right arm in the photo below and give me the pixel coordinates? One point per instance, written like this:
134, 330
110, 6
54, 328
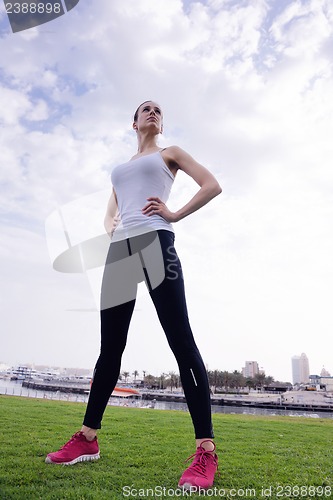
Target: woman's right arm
111, 219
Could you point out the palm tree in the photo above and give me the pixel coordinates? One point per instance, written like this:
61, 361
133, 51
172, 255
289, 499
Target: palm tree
162, 379
259, 380
214, 378
249, 382
172, 380
269, 380
237, 380
135, 374
125, 374
225, 380
150, 380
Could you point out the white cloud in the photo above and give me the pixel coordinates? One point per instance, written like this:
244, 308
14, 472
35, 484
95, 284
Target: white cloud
14, 105
246, 88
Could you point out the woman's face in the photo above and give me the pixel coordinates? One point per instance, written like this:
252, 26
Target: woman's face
149, 117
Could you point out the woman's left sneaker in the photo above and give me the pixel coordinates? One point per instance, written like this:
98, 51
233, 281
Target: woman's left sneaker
77, 449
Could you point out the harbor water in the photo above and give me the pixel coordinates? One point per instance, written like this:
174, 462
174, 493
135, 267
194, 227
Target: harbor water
15, 388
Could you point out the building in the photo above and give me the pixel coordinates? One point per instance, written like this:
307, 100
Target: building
250, 369
327, 383
324, 372
300, 369
314, 381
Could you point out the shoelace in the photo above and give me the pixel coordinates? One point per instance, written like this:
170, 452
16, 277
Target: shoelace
73, 438
200, 461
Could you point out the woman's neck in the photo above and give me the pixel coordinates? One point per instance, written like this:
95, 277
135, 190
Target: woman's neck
146, 143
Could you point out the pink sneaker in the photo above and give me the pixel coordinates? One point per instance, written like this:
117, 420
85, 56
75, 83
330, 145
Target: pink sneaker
201, 472
77, 449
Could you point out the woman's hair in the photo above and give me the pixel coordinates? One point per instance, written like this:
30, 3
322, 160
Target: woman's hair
136, 114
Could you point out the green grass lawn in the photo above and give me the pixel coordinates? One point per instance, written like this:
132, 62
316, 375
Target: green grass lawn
143, 453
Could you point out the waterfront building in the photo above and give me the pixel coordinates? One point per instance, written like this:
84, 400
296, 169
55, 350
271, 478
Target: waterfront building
300, 369
327, 383
314, 381
250, 369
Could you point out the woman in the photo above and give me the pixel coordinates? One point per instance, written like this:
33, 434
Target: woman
142, 248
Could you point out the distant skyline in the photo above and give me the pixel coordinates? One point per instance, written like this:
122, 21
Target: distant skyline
78, 369
246, 89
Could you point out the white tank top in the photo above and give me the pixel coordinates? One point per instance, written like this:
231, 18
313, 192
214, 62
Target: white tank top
134, 182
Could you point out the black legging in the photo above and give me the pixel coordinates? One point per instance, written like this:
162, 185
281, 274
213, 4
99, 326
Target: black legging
151, 257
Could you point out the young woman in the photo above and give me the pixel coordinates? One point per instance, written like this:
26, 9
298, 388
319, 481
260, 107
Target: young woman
142, 248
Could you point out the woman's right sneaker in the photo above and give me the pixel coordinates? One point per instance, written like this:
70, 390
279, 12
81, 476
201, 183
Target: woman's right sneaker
77, 449
201, 472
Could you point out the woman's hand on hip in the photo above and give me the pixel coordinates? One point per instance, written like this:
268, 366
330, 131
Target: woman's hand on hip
155, 206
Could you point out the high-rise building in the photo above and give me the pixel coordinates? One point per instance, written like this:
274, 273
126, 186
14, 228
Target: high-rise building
300, 369
250, 369
295, 367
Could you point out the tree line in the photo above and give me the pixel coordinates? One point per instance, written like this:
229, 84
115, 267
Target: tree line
224, 381
219, 381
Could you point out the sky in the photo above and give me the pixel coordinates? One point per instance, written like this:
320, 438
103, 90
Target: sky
246, 88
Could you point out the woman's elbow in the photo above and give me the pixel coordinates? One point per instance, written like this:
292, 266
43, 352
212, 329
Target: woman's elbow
216, 189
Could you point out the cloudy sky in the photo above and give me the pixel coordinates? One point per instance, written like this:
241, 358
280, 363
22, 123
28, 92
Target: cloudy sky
246, 88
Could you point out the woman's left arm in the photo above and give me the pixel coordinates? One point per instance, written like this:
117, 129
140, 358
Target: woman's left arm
209, 187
